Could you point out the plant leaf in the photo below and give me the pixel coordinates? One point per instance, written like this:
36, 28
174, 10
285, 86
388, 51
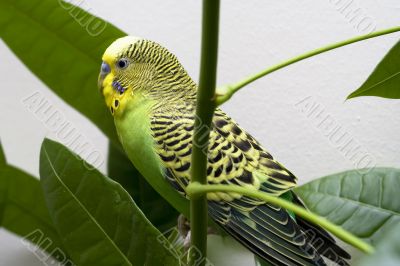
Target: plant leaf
160, 213
387, 252
97, 219
2, 155
385, 79
23, 211
62, 46
367, 205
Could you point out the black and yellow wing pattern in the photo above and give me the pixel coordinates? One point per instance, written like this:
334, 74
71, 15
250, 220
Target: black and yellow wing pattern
235, 157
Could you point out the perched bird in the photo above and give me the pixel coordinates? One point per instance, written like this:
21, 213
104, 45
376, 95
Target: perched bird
153, 100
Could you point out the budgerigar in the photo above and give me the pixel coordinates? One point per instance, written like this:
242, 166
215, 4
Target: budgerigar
152, 99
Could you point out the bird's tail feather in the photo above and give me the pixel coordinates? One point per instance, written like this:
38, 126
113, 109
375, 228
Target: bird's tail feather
321, 240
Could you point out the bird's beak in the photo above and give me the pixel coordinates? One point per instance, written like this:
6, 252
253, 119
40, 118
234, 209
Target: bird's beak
104, 71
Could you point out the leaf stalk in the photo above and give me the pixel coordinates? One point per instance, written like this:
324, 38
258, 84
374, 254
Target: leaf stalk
224, 93
205, 107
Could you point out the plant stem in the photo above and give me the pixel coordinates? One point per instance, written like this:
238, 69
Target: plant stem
204, 112
224, 93
195, 189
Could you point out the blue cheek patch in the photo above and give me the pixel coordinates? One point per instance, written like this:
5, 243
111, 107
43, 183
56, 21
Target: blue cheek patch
118, 87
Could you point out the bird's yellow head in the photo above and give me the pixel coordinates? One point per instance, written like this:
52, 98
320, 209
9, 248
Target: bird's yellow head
135, 69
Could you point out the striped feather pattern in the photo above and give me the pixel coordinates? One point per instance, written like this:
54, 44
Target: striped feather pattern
235, 157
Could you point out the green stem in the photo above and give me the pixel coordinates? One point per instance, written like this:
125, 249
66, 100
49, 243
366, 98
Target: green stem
205, 107
225, 92
196, 189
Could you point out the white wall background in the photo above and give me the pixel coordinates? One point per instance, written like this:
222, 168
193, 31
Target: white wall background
254, 35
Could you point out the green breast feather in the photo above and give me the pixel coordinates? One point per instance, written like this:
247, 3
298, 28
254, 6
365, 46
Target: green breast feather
133, 128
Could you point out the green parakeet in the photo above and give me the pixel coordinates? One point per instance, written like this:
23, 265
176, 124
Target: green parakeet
152, 99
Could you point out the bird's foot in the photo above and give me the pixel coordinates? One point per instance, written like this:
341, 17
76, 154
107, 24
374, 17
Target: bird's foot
184, 230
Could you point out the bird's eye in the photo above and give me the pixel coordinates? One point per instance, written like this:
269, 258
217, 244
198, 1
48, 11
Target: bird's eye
122, 63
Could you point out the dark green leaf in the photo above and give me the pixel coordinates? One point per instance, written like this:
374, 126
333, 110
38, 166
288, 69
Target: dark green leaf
2, 156
156, 208
365, 204
385, 79
23, 211
387, 252
61, 44
99, 222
